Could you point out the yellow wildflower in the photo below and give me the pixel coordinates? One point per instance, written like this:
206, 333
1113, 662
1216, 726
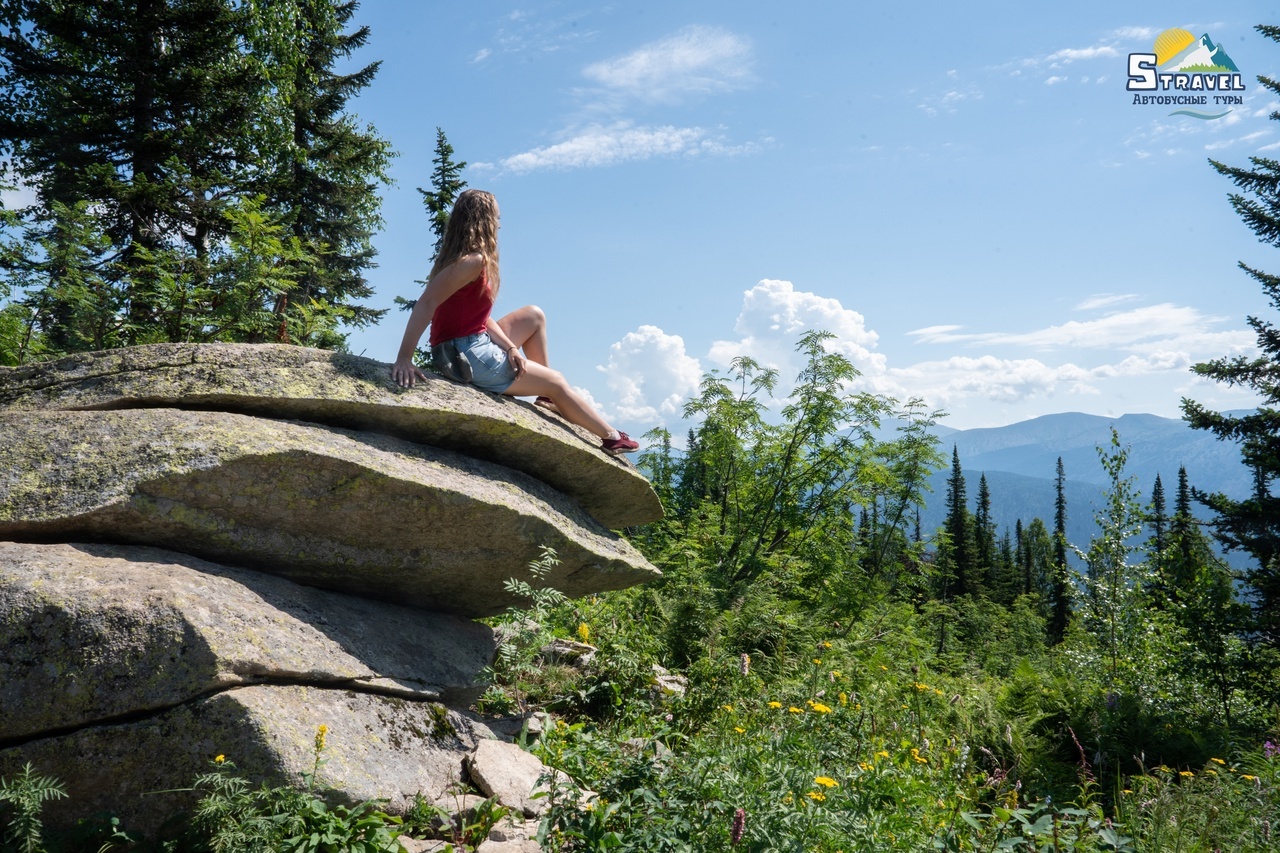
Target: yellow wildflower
835, 675
882, 754
817, 661
884, 668
819, 707
1211, 771
844, 698
793, 709
220, 759
863, 766
1187, 774
775, 704
322, 731
919, 686
917, 758
1248, 777
740, 730
727, 708
816, 796
584, 632
825, 781
1218, 761
825, 644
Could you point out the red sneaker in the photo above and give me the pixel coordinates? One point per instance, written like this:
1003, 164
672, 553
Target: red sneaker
620, 445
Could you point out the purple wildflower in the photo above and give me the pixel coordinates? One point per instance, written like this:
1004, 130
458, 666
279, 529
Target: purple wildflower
739, 827
1269, 749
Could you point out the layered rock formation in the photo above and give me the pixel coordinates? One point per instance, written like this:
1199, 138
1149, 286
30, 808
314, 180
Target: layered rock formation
212, 550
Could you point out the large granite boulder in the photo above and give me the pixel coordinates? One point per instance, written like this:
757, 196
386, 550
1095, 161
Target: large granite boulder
96, 634
277, 381
362, 513
376, 747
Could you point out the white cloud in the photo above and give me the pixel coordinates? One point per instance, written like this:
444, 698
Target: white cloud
988, 377
601, 145
1135, 33
695, 60
1069, 54
1054, 80
651, 376
1122, 330
1102, 300
481, 55
773, 317
950, 100
1248, 137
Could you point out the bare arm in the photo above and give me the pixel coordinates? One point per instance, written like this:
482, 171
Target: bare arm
442, 285
500, 338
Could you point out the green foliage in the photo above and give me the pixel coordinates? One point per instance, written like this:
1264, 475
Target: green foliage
152, 135
23, 799
1253, 523
234, 817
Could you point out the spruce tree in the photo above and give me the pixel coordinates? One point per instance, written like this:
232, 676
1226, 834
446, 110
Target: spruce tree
1158, 519
1060, 591
984, 533
1253, 523
325, 176
186, 143
958, 570
446, 183
142, 109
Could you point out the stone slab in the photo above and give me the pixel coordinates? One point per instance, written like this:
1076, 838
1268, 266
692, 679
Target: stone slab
360, 513
376, 747
287, 382
93, 633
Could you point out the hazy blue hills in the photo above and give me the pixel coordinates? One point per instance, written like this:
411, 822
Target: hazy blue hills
1020, 461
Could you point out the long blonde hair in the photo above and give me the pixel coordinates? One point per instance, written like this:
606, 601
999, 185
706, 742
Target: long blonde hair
473, 227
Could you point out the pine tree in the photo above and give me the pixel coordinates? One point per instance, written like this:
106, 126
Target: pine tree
1060, 591
1253, 523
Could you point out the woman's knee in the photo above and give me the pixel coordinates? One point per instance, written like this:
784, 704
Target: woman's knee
535, 315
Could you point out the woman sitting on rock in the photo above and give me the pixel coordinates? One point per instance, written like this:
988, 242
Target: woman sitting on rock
470, 346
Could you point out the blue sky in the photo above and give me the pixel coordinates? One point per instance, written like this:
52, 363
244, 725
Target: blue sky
964, 194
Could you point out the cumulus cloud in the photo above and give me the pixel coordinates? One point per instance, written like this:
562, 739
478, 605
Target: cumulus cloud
650, 375
773, 317
696, 60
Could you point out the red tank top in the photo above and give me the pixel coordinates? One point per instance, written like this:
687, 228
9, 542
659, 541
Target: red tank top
465, 312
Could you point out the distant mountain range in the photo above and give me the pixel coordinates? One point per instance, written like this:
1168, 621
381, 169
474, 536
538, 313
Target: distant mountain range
1020, 462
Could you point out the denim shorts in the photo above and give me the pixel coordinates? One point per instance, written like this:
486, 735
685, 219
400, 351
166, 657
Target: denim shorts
490, 367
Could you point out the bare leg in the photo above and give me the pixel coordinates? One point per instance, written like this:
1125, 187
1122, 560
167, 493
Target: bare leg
540, 380
527, 329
